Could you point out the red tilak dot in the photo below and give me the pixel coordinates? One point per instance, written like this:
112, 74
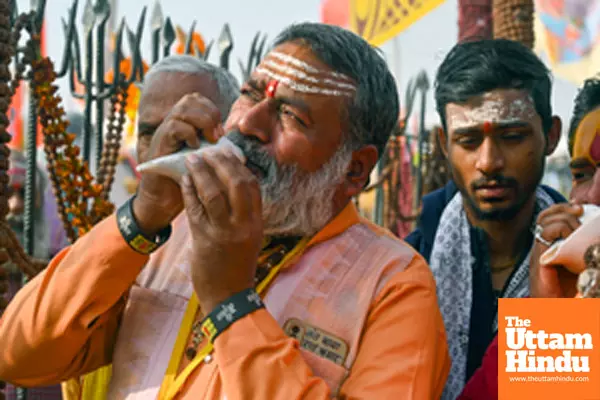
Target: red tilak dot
271, 88
487, 127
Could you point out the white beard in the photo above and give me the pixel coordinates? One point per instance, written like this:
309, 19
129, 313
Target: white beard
299, 203
295, 203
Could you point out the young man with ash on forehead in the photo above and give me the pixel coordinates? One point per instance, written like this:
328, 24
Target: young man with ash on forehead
351, 311
493, 97
556, 222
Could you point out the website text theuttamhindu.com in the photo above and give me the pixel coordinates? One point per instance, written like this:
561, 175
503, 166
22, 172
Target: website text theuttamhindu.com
557, 379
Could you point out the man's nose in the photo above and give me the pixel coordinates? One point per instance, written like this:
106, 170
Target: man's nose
593, 194
258, 121
490, 158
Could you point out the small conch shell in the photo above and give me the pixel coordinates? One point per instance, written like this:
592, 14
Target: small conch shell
173, 165
588, 283
569, 252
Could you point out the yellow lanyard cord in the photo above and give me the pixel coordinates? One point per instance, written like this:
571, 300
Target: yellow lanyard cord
93, 387
172, 383
299, 248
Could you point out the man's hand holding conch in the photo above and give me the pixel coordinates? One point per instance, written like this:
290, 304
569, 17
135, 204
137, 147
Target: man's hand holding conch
564, 232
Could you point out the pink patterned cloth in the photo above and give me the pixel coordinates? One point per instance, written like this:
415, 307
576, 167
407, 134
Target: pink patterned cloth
474, 19
56, 231
405, 197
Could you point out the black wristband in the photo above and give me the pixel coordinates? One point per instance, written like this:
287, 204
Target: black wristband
225, 314
132, 233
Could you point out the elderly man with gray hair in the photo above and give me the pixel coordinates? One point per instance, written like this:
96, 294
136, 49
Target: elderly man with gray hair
286, 292
167, 82
171, 79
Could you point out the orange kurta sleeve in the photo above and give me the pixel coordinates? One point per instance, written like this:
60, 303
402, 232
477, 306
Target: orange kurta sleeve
64, 322
402, 354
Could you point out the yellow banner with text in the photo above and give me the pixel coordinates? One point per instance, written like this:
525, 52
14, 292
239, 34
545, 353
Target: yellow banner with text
380, 20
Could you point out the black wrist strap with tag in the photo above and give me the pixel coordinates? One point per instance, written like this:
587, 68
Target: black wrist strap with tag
132, 233
228, 312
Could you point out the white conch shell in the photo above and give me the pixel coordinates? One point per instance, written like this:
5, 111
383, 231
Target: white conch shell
569, 252
173, 165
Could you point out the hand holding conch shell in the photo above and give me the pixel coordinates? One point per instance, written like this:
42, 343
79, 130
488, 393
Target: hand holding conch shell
193, 120
568, 252
554, 280
562, 270
173, 165
588, 284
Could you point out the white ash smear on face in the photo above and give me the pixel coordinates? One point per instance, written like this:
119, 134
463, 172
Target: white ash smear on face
495, 110
305, 78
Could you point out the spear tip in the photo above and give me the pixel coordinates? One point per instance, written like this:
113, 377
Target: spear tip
157, 19
130, 33
207, 50
140, 26
102, 10
169, 31
87, 18
226, 38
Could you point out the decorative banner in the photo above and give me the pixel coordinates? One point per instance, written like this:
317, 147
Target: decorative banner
380, 20
568, 34
336, 12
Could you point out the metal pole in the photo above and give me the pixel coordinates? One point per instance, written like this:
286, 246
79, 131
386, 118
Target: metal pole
87, 117
30, 186
99, 133
30, 195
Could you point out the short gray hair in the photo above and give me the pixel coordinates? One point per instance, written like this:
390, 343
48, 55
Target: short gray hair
373, 112
227, 86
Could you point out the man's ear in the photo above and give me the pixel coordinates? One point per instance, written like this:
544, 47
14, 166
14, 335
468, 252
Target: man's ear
443, 140
553, 137
359, 171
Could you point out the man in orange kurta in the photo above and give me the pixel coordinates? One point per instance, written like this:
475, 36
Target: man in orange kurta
345, 309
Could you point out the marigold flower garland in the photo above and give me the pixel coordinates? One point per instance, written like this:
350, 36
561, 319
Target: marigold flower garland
80, 200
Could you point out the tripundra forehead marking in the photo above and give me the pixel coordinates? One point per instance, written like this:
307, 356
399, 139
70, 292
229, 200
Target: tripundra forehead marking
301, 87
286, 58
297, 73
493, 111
305, 78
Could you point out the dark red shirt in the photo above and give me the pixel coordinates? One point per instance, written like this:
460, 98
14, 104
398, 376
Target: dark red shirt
483, 385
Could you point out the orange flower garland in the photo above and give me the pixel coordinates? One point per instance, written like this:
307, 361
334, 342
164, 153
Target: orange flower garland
82, 201
197, 39
72, 182
133, 95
